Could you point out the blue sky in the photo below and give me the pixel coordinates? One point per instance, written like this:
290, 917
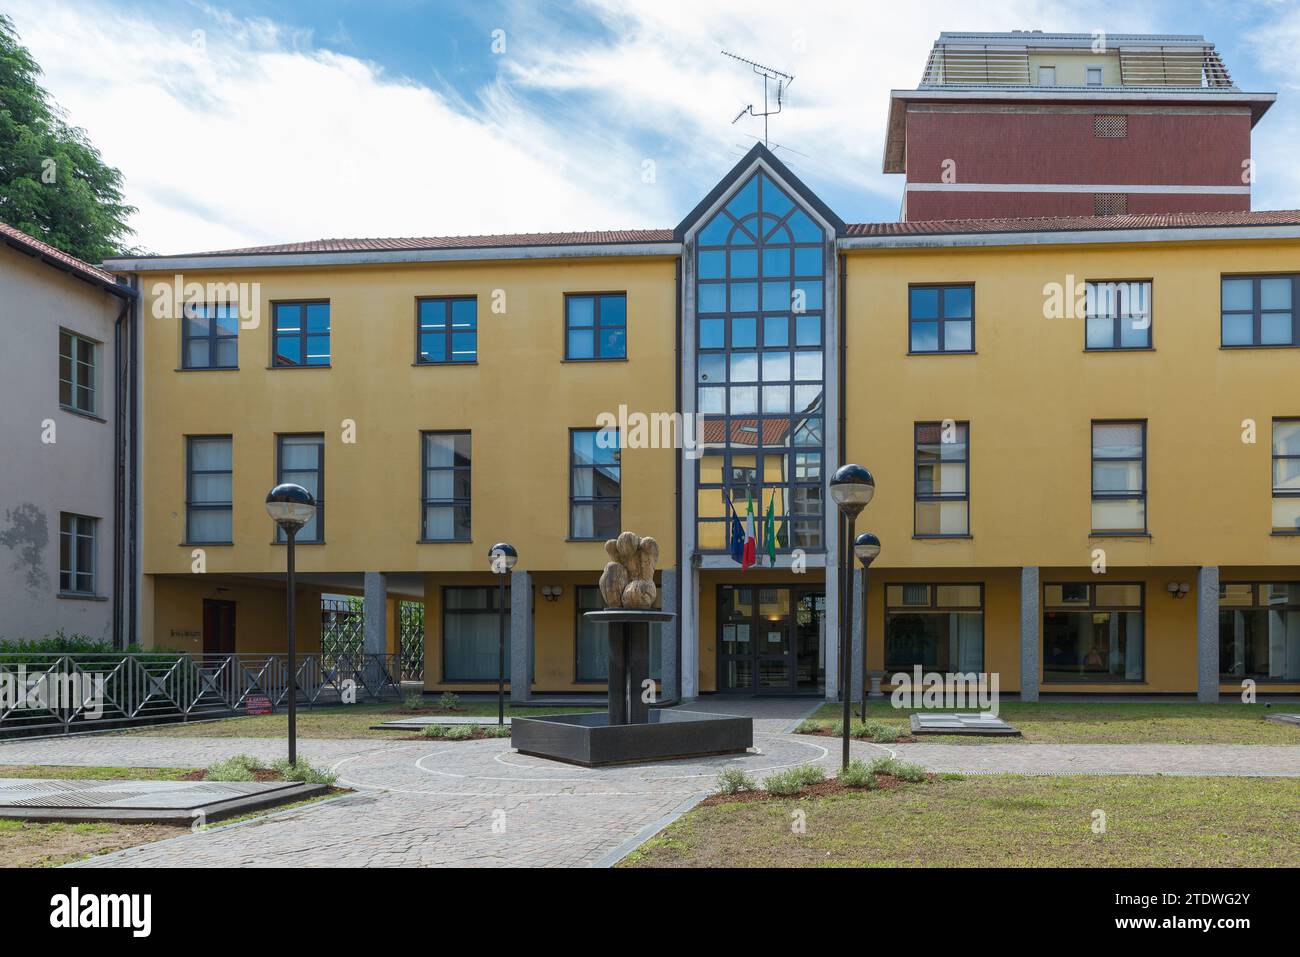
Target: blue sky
282, 120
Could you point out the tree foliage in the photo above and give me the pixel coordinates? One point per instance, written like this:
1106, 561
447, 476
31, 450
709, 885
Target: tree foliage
53, 183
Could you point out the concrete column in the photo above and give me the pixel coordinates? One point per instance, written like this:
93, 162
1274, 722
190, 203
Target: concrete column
832, 623
1031, 634
522, 642
375, 585
690, 631
1207, 635
859, 648
669, 669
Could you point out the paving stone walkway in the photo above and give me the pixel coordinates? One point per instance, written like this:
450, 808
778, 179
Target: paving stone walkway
478, 803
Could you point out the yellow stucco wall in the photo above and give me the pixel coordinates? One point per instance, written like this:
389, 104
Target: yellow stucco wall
177, 614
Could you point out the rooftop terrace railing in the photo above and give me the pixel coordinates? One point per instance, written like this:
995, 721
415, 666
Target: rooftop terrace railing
48, 694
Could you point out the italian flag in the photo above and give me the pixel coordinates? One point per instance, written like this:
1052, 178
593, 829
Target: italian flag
750, 555
769, 530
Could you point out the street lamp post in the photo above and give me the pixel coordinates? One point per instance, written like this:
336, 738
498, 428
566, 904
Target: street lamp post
865, 548
851, 489
291, 507
503, 557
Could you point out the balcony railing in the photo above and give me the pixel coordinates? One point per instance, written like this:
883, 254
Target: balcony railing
46, 694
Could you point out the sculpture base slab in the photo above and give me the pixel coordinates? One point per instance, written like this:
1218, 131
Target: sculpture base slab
591, 741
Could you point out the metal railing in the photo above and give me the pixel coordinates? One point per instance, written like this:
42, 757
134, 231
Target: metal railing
43, 694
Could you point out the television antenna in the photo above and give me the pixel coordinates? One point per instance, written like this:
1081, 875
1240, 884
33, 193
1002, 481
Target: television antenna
770, 76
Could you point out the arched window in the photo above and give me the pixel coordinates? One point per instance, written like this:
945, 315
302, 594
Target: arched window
760, 314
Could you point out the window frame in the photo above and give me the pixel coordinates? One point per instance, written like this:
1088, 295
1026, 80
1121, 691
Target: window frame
1088, 74
211, 338
932, 608
1256, 312
1091, 608
448, 303
302, 333
942, 320
493, 592
320, 485
1274, 458
596, 325
594, 501
1256, 604
1041, 68
1095, 497
74, 553
453, 502
191, 505
75, 384
917, 497
1117, 319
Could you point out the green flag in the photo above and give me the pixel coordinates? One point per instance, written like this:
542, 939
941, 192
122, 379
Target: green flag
769, 530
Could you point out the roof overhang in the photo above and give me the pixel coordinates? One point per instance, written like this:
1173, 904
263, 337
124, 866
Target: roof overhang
1071, 237
895, 158
121, 290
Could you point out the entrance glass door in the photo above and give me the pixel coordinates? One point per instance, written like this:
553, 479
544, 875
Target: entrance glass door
769, 641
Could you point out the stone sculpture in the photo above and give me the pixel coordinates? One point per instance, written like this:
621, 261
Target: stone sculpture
628, 578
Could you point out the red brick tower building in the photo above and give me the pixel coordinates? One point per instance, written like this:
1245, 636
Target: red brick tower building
1061, 124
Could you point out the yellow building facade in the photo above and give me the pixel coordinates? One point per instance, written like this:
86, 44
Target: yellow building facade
1072, 512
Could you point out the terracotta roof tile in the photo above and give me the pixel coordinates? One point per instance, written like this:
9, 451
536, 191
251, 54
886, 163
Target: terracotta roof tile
43, 249
491, 241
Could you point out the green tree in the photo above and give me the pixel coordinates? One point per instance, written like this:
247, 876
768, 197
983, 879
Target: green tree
53, 183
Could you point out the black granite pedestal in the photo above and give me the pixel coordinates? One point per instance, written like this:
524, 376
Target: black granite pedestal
630, 731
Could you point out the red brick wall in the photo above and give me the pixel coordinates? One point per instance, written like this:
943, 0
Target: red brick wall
1160, 149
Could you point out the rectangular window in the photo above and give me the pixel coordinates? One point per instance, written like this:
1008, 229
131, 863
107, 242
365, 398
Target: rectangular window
77, 554
300, 459
595, 482
1259, 631
209, 506
592, 662
445, 499
595, 326
1119, 498
1047, 76
1094, 76
471, 634
1092, 632
1286, 475
939, 627
210, 336
941, 318
301, 331
448, 330
942, 479
1256, 311
1119, 315
77, 372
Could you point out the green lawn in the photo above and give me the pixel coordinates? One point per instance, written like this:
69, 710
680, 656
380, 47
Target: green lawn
334, 721
69, 772
1045, 722
1001, 821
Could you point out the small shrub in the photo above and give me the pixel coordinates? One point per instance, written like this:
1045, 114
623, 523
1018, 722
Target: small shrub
879, 732
784, 783
496, 730
304, 773
434, 731
414, 701
459, 732
450, 701
808, 727
899, 769
238, 768
837, 729
857, 775
734, 780
809, 774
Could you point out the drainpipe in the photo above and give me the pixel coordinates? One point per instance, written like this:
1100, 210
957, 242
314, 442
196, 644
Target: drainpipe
119, 471
133, 431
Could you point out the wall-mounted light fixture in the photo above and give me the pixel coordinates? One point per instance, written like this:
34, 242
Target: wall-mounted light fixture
1178, 589
552, 592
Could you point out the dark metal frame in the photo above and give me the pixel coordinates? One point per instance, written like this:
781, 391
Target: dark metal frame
320, 483
1124, 496
810, 419
1117, 319
447, 303
1255, 605
595, 500
1257, 312
1091, 607
75, 550
1272, 479
191, 505
454, 502
596, 326
918, 497
791, 657
74, 384
932, 608
302, 333
494, 591
941, 320
212, 337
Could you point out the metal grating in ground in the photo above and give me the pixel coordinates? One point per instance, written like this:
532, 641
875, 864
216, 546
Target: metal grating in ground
162, 795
